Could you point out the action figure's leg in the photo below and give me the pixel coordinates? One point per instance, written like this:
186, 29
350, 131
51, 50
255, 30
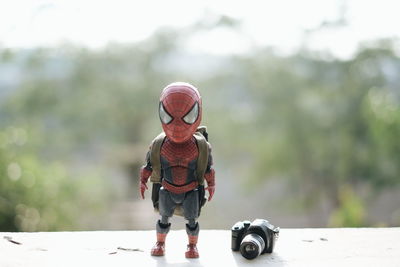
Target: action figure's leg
191, 212
166, 208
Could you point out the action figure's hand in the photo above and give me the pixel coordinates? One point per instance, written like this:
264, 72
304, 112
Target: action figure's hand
144, 176
143, 188
211, 190
210, 178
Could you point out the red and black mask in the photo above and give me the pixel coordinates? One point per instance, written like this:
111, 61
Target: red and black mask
180, 111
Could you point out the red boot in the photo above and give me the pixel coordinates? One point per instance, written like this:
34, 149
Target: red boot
192, 251
159, 247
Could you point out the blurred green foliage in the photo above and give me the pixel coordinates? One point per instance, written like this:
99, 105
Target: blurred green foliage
40, 195
351, 211
321, 125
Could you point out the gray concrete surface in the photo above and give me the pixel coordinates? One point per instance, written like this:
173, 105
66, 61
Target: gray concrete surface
295, 247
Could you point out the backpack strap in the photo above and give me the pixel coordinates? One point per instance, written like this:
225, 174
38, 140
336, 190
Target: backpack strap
202, 161
155, 151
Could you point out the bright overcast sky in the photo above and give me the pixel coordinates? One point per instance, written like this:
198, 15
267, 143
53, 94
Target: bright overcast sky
281, 24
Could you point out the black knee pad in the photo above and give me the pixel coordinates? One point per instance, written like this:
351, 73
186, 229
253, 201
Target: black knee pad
162, 228
193, 230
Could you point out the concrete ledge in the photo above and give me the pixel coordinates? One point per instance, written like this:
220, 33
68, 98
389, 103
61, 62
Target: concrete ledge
295, 247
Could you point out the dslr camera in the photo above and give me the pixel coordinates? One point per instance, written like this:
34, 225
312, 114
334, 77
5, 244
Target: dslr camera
254, 238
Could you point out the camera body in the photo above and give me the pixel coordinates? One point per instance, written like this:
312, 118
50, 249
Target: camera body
254, 238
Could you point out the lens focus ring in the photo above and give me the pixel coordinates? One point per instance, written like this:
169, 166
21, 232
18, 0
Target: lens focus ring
252, 245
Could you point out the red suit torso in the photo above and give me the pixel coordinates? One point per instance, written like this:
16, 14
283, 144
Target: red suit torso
178, 164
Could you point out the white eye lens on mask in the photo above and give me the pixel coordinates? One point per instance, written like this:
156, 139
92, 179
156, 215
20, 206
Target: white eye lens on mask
192, 115
164, 116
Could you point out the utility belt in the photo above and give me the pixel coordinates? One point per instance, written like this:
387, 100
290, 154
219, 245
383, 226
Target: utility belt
179, 189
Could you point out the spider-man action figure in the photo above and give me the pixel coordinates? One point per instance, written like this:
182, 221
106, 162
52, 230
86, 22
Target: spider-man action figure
178, 162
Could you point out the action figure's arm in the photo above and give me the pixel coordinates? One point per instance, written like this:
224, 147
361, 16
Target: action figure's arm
145, 173
210, 176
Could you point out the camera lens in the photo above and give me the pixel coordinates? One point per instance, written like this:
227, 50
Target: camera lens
250, 248
252, 245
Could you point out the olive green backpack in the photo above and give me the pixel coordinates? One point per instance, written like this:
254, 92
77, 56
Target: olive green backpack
201, 136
